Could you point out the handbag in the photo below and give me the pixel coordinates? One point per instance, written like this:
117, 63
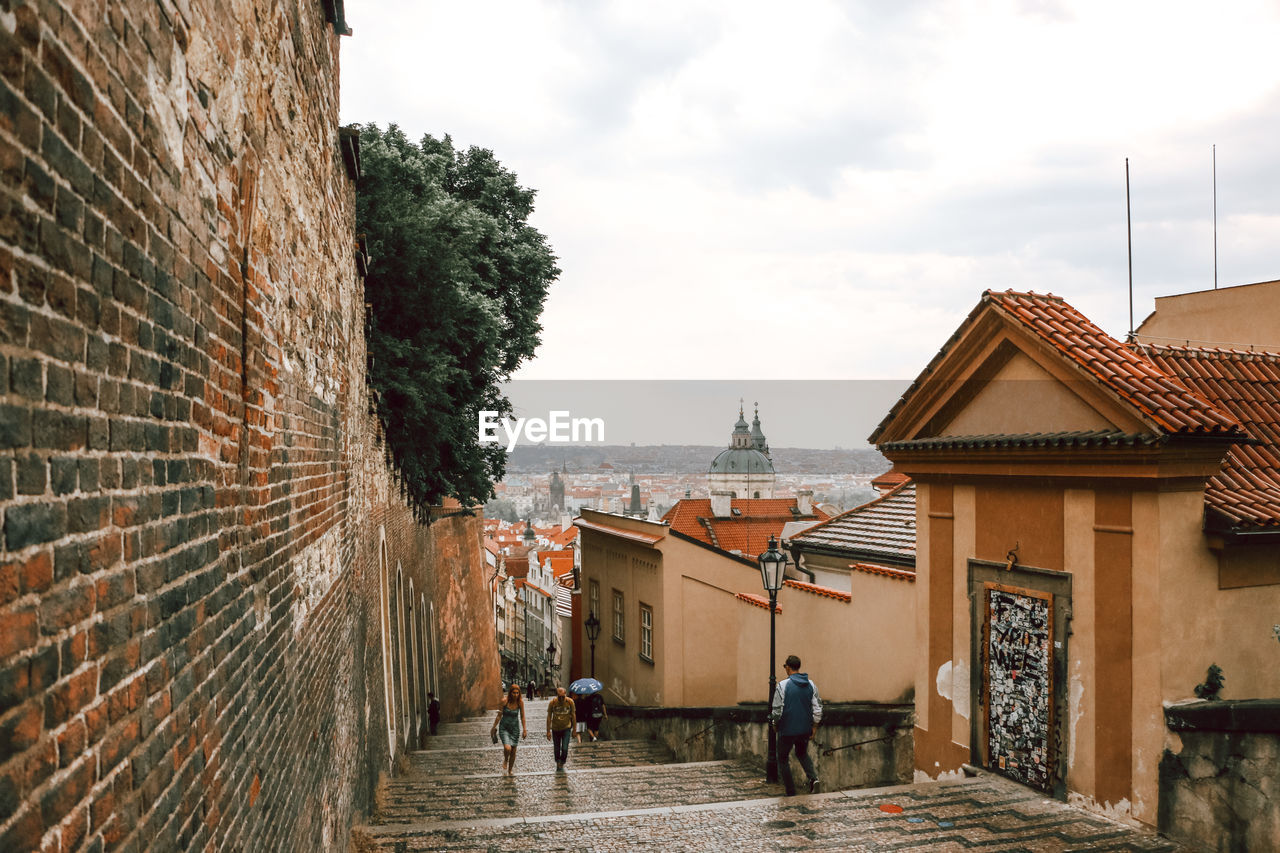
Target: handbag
494, 732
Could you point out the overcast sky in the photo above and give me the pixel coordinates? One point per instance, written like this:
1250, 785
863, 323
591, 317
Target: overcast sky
823, 190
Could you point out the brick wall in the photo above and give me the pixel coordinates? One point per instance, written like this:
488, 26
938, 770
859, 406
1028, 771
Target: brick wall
205, 567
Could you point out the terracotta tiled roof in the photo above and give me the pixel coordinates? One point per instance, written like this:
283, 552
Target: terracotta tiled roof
1169, 403
1246, 492
826, 592
561, 562
889, 479
873, 569
884, 528
1165, 402
758, 600
538, 589
565, 536
748, 532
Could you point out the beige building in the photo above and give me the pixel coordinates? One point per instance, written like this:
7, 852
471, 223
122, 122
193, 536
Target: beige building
1097, 524
686, 624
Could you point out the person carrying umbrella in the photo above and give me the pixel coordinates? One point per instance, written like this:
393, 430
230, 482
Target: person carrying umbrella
593, 705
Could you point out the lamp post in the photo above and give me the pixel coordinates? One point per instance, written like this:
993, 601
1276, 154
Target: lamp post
551, 659
593, 631
772, 564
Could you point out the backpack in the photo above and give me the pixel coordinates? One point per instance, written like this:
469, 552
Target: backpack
561, 714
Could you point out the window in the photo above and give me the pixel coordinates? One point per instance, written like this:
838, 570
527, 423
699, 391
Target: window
646, 632
619, 618
594, 606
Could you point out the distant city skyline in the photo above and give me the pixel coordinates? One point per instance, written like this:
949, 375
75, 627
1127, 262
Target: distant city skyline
817, 414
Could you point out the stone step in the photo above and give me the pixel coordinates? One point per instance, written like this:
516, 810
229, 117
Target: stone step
982, 813
546, 791
536, 754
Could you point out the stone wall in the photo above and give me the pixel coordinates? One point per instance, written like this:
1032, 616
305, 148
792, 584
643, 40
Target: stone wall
210, 588
1221, 789
856, 746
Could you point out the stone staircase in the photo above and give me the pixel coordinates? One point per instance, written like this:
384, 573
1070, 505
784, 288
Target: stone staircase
631, 794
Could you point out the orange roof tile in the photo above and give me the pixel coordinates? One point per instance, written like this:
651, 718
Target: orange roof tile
824, 591
757, 600
747, 533
889, 479
1168, 402
1160, 398
873, 569
1245, 493
561, 562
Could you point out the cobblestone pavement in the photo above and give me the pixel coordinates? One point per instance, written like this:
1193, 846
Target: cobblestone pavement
624, 795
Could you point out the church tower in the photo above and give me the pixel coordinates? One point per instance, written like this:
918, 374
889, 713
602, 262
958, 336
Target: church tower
744, 467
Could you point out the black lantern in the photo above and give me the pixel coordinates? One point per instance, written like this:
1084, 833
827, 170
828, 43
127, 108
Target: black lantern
593, 632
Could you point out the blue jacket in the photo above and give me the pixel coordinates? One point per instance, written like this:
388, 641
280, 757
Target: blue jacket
796, 707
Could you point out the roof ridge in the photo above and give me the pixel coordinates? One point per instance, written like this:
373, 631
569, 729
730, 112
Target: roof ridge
1208, 352
991, 293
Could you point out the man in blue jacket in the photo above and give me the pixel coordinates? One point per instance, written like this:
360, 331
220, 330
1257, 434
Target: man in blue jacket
796, 712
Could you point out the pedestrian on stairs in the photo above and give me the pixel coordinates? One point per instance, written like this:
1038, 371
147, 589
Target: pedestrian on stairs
433, 711
562, 716
596, 714
796, 712
507, 726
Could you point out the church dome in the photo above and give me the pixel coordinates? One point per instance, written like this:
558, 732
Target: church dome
741, 460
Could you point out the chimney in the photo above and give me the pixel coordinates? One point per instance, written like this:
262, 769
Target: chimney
804, 501
721, 502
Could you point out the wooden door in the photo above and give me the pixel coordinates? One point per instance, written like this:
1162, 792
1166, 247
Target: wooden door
1017, 683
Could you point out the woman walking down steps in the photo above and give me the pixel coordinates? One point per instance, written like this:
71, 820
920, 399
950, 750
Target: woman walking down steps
507, 726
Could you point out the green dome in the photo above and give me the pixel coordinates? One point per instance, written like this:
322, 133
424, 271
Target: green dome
741, 460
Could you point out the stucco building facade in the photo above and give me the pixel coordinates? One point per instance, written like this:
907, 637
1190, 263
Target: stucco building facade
1096, 525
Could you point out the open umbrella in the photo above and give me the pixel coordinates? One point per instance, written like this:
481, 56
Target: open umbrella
585, 686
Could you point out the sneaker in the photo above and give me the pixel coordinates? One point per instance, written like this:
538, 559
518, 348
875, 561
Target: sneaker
815, 786
559, 765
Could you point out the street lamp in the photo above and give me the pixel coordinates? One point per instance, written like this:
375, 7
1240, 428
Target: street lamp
593, 631
772, 563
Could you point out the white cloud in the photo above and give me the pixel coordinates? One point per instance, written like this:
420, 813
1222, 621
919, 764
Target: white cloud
842, 179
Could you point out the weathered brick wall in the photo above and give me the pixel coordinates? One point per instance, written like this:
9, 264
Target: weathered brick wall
196, 511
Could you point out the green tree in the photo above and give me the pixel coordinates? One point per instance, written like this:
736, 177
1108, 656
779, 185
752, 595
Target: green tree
456, 280
503, 509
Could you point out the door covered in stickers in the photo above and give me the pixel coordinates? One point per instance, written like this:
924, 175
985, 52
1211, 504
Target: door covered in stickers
1017, 683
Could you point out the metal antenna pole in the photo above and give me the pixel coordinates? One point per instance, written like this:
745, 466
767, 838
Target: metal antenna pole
1215, 217
1128, 217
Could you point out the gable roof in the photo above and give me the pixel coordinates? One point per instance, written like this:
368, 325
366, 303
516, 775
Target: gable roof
747, 532
1177, 391
1159, 399
884, 528
1246, 492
